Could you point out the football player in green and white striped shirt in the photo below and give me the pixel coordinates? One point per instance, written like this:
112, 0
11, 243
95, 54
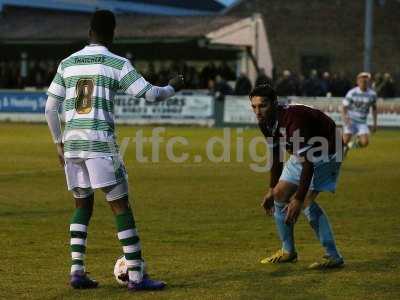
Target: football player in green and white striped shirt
86, 83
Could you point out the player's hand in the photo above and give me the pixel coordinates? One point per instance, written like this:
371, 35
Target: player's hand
293, 210
268, 203
60, 153
177, 82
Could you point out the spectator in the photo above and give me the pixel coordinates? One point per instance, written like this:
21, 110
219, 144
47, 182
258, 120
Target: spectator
208, 72
192, 78
388, 88
313, 86
301, 80
220, 88
326, 84
377, 83
262, 78
176, 68
37, 75
163, 75
287, 85
13, 76
151, 74
243, 85
211, 87
51, 70
226, 72
340, 85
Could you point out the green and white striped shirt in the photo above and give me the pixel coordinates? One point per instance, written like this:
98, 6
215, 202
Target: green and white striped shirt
86, 82
358, 103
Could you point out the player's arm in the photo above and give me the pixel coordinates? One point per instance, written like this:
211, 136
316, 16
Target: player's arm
301, 134
345, 115
345, 110
157, 93
275, 174
53, 121
276, 168
132, 83
295, 205
374, 117
56, 95
306, 175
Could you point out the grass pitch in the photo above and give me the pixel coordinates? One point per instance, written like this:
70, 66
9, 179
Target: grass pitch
201, 226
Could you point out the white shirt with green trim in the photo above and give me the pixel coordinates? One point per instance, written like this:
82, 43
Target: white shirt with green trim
86, 83
358, 103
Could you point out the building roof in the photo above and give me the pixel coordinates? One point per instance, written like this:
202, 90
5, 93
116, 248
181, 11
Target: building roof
17, 25
207, 5
149, 7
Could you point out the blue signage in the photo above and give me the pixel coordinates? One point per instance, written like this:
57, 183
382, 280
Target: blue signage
22, 102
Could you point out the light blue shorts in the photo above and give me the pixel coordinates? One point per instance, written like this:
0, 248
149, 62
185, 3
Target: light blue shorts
325, 173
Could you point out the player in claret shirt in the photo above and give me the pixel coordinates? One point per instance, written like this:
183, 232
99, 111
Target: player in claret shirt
313, 167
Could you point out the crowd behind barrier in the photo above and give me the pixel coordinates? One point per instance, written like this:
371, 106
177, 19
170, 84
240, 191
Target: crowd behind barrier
219, 78
190, 107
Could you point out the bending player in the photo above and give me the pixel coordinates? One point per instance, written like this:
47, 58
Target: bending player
356, 106
313, 167
86, 83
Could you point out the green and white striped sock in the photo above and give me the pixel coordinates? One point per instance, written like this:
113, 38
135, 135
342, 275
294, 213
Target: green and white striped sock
78, 230
130, 244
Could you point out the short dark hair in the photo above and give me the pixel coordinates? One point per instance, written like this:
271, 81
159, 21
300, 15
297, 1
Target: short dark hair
266, 91
103, 23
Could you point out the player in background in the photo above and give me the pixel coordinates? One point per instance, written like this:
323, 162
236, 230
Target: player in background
312, 168
356, 106
86, 83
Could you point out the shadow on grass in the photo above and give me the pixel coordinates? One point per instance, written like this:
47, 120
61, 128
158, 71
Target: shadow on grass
262, 282
104, 291
390, 262
216, 278
273, 282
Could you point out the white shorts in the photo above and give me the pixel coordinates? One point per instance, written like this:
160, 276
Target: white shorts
356, 128
94, 173
325, 174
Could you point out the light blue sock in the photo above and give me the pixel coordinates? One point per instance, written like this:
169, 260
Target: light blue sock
320, 223
285, 231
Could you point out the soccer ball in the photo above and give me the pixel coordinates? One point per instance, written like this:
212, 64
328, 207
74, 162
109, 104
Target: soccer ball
121, 271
